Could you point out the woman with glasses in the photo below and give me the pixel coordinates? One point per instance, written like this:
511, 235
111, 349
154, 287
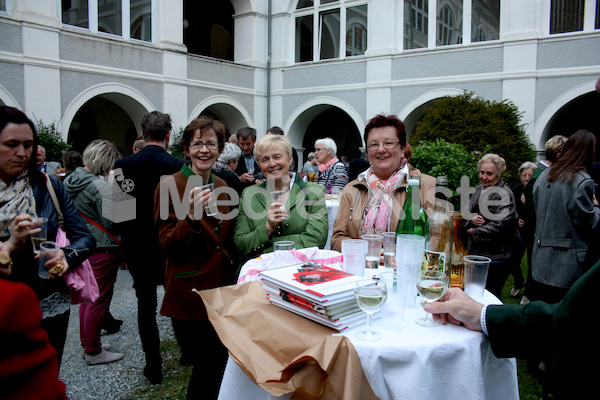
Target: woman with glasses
372, 202
195, 246
331, 171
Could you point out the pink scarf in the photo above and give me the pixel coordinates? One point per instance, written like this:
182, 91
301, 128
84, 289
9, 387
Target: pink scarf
323, 166
376, 217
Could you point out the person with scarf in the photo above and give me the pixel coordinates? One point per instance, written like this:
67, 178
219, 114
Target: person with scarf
24, 196
372, 203
332, 172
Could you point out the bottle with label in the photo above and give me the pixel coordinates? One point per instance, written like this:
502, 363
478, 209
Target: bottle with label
439, 233
412, 220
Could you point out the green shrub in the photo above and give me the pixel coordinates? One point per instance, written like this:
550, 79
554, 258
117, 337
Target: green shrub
480, 126
52, 141
439, 157
176, 148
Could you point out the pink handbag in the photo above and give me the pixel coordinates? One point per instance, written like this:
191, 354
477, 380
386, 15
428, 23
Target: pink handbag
81, 281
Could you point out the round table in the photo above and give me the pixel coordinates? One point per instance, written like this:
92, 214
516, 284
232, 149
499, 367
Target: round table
414, 362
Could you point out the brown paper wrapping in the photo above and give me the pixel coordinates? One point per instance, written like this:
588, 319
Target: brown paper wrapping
281, 351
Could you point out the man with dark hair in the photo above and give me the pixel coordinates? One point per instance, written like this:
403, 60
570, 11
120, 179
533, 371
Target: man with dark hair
247, 169
278, 131
142, 172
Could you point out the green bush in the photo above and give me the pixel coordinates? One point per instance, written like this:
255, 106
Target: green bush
480, 126
449, 159
52, 141
176, 148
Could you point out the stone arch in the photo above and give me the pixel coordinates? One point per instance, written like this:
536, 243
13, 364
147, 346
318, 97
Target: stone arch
7, 99
228, 110
299, 123
544, 122
413, 111
129, 104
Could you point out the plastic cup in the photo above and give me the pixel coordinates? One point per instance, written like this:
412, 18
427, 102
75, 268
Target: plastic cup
277, 195
38, 238
476, 272
354, 254
373, 252
211, 208
410, 250
47, 252
284, 253
335, 194
389, 250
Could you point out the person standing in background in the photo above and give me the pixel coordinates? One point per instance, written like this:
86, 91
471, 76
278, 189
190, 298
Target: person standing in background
45, 166
138, 145
140, 238
247, 169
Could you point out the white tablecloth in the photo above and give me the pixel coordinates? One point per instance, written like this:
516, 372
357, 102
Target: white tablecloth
332, 209
414, 362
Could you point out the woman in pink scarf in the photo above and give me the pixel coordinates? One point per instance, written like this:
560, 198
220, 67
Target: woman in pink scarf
372, 202
332, 172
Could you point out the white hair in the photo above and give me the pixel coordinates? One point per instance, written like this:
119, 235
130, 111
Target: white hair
328, 143
230, 152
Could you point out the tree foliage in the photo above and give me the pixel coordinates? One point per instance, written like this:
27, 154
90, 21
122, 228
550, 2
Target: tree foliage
52, 141
480, 126
176, 148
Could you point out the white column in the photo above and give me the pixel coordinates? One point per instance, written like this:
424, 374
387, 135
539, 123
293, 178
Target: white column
169, 24
379, 91
382, 38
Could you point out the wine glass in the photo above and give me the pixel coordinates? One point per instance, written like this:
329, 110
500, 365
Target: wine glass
370, 295
431, 285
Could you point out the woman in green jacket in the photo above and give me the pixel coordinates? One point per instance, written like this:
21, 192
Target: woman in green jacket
300, 214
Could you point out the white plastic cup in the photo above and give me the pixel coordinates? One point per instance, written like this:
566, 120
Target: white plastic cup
284, 253
373, 252
47, 252
42, 236
410, 250
354, 254
389, 250
277, 195
476, 272
211, 208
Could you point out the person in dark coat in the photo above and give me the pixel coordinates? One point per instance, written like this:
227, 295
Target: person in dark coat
140, 174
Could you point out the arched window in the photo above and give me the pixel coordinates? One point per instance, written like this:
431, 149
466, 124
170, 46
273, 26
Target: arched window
445, 26
208, 28
321, 24
416, 24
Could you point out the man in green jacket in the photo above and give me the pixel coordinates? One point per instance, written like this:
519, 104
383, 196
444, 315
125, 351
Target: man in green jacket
561, 334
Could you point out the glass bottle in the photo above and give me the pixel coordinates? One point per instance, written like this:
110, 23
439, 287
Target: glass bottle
439, 233
413, 219
457, 270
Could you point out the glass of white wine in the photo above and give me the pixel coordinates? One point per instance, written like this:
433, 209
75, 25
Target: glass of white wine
431, 285
370, 295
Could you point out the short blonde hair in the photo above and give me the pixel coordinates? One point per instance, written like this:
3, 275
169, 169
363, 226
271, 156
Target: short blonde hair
495, 159
99, 156
263, 144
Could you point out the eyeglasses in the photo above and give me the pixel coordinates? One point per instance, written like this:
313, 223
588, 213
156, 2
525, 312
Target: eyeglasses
197, 145
388, 144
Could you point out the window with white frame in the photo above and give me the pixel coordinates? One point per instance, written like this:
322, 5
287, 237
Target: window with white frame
445, 26
107, 16
2, 5
485, 20
416, 23
566, 16
322, 26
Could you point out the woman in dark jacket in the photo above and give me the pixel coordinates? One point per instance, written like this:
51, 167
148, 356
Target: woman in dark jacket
196, 248
492, 231
23, 196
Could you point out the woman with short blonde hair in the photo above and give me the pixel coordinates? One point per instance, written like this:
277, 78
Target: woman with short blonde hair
100, 156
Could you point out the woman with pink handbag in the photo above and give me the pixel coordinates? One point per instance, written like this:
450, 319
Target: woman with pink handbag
88, 189
24, 196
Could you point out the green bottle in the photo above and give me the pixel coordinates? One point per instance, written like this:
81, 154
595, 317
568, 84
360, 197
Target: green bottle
412, 220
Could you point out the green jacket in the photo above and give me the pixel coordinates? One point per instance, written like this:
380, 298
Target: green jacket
563, 335
306, 225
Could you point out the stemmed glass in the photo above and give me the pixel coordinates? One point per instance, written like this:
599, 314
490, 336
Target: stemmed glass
370, 295
431, 285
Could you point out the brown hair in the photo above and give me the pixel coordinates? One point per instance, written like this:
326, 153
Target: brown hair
577, 155
203, 124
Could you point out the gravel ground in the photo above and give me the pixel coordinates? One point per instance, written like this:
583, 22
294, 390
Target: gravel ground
117, 380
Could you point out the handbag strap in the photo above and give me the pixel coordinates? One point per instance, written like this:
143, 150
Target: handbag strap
52, 194
103, 229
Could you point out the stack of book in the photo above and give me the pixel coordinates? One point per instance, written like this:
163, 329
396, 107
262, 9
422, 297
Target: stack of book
322, 294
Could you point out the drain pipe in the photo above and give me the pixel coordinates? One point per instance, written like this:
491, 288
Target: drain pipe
269, 53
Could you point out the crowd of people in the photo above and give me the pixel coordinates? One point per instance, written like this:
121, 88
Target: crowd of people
178, 237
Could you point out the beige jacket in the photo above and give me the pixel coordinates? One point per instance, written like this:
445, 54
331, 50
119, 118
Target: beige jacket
355, 198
